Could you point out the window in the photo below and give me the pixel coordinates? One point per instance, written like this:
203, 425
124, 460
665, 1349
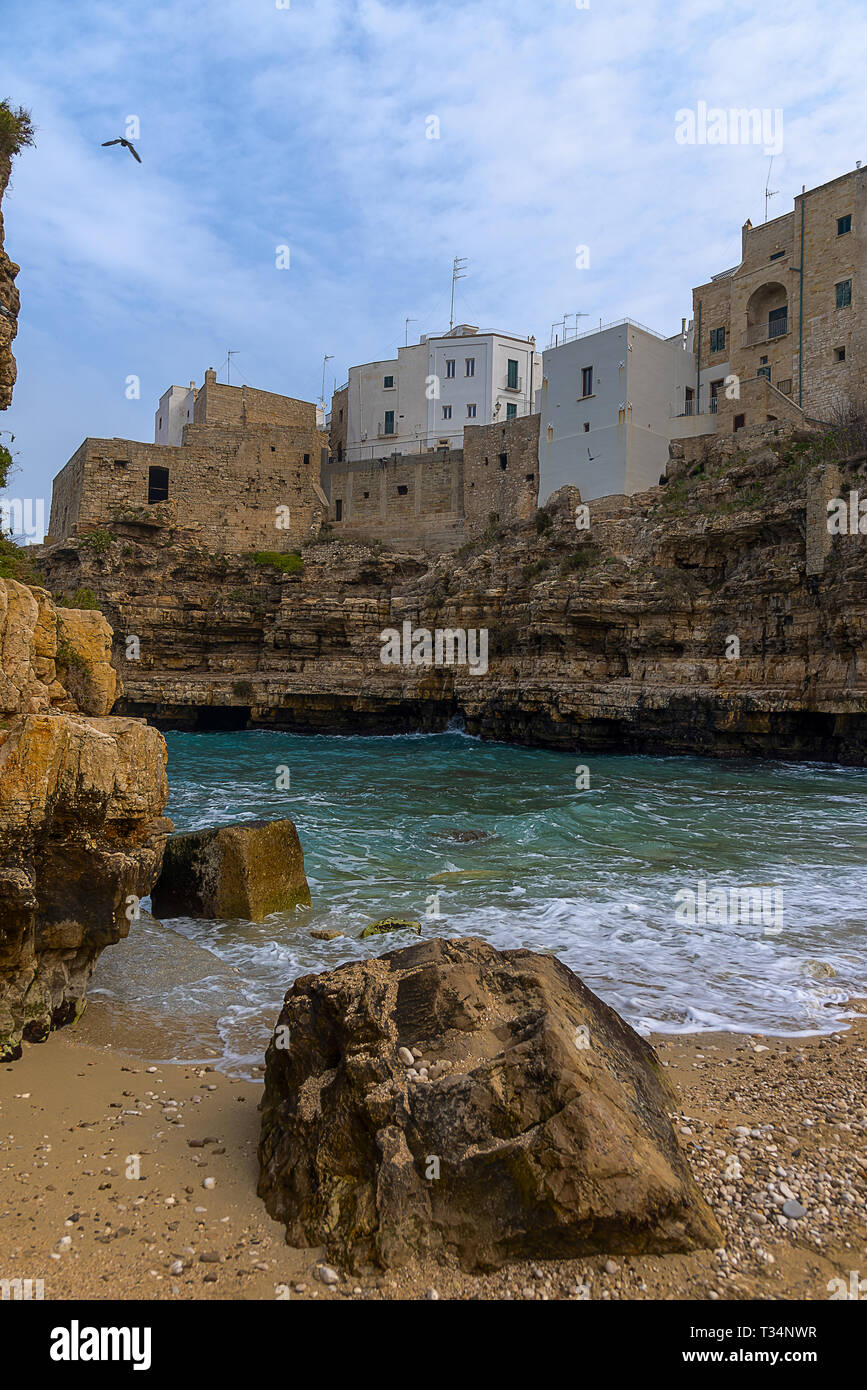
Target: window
450, 367
777, 255
529, 477
470, 366
689, 403
121, 463
511, 411
447, 412
586, 426
389, 422
840, 354
844, 224
504, 459
471, 412
715, 389
765, 372
367, 494
338, 509
306, 460
158, 485
738, 423
844, 294
340, 416
402, 489
717, 340
778, 321
586, 381
161, 422
512, 374
388, 383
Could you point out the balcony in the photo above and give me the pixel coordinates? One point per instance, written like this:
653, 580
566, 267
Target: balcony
516, 384
766, 332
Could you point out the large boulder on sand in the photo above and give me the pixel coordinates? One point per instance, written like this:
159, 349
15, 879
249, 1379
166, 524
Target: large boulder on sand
248, 870
541, 1129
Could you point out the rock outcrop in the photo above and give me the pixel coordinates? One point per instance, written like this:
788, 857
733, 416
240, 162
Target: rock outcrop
453, 1100
81, 801
9, 300
247, 870
610, 638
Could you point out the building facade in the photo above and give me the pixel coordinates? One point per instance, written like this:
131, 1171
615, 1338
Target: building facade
785, 328
425, 397
244, 476
606, 400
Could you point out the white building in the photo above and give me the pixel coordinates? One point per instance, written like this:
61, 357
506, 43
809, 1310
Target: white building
175, 410
606, 400
423, 398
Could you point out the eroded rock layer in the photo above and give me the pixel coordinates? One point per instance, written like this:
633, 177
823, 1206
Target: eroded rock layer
81, 801
615, 637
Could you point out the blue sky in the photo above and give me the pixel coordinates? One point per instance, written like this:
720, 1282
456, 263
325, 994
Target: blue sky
306, 126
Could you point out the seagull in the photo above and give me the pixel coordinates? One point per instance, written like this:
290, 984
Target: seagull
127, 144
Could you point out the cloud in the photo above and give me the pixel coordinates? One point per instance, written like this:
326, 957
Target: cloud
306, 126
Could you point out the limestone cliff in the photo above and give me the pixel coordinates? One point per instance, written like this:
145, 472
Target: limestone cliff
616, 637
9, 301
81, 800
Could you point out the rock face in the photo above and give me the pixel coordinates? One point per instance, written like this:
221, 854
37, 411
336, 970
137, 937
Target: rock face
540, 1131
248, 871
81, 800
9, 300
610, 638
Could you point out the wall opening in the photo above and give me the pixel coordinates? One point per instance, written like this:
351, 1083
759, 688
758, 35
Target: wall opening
158, 485
338, 509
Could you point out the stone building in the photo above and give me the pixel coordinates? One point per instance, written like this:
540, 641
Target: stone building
788, 321
244, 476
443, 497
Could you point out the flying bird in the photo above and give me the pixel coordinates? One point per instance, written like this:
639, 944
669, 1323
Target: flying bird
127, 144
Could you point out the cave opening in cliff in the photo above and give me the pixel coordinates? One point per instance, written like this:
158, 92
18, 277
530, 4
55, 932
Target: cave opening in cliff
210, 718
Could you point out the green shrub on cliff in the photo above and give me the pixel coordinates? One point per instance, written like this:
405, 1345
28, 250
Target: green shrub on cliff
288, 562
99, 541
16, 562
82, 598
16, 129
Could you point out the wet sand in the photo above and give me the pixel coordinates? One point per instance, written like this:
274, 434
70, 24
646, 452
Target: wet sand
104, 1157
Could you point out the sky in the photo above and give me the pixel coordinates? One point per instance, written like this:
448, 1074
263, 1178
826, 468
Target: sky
307, 124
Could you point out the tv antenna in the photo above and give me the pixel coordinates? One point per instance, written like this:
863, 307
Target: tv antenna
406, 324
231, 352
769, 192
329, 357
459, 270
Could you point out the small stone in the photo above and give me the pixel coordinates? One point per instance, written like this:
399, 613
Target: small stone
209, 1183
431, 1293
326, 1275
794, 1210
405, 1056
611, 1266
177, 1267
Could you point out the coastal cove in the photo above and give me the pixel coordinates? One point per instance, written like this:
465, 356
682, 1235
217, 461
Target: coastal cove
524, 848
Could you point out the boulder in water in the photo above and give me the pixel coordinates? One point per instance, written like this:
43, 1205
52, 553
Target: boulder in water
247, 870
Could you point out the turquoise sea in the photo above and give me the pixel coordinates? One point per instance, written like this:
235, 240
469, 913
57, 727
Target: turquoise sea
591, 875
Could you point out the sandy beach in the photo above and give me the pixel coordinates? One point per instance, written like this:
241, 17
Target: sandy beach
131, 1179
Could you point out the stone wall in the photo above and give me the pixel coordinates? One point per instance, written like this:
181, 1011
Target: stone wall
413, 501
241, 406
224, 483
501, 473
